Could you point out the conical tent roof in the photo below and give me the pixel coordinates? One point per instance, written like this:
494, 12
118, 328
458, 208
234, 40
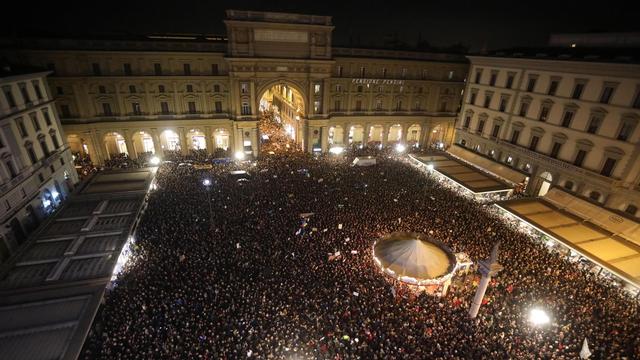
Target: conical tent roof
414, 255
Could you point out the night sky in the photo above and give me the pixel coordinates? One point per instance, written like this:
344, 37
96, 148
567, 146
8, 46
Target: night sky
477, 24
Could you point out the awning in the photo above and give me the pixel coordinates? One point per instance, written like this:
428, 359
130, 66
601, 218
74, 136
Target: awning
616, 224
489, 165
583, 234
463, 174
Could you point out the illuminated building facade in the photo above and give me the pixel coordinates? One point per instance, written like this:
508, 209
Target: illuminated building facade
565, 119
36, 171
159, 93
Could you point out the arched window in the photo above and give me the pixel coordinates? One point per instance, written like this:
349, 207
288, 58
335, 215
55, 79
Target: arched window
594, 195
631, 209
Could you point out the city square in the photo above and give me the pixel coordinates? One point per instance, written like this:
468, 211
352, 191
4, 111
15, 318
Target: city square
279, 190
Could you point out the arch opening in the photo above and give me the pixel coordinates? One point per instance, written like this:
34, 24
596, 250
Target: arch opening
413, 135
281, 118
169, 140
143, 143
115, 144
196, 140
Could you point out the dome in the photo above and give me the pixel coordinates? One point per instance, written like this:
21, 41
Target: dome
414, 258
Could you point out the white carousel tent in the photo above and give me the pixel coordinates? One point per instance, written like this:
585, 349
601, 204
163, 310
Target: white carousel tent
414, 258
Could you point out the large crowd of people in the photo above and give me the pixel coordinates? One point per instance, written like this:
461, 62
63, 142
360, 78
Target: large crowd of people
233, 271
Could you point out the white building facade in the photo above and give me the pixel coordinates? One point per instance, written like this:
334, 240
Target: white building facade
36, 168
565, 122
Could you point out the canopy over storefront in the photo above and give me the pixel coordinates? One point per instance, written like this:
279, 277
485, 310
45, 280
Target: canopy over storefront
605, 238
501, 170
469, 177
414, 258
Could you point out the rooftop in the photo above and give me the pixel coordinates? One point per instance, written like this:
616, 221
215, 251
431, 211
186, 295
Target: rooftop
51, 289
583, 54
277, 17
9, 70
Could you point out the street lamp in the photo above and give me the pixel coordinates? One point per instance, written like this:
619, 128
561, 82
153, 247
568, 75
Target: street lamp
207, 184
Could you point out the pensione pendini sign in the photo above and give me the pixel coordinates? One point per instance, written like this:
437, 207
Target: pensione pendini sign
377, 81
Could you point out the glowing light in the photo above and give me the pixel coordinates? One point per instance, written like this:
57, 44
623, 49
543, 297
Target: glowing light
206, 182
154, 161
240, 155
430, 167
400, 148
538, 317
55, 194
123, 258
46, 203
336, 150
265, 137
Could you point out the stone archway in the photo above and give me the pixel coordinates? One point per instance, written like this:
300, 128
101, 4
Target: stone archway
170, 140
115, 144
143, 143
287, 99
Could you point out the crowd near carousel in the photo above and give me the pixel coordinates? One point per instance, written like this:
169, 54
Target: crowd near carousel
309, 257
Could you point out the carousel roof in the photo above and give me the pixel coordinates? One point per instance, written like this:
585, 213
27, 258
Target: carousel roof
414, 255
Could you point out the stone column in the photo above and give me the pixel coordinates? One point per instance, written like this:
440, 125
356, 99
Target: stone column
209, 140
345, 135
240, 143
232, 139
365, 136
128, 141
184, 145
424, 133
404, 135
254, 141
157, 145
98, 155
324, 140
385, 135
487, 269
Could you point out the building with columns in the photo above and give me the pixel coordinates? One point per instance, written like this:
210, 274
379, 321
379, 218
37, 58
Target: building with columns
565, 118
157, 93
36, 168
